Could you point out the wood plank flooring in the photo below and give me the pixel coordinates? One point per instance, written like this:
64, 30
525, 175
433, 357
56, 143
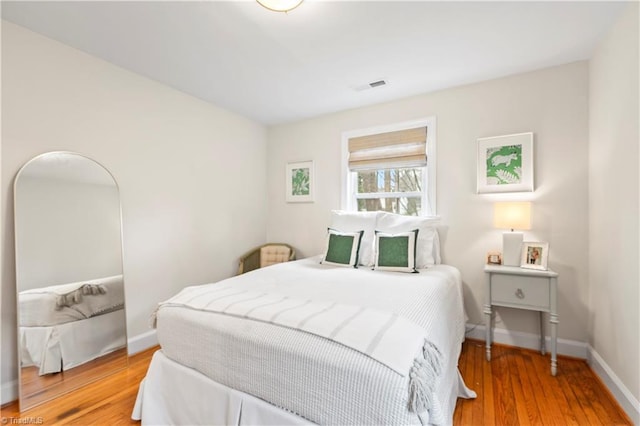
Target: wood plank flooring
36, 389
108, 401
515, 388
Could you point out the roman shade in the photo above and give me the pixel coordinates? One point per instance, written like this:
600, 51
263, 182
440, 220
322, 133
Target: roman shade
402, 148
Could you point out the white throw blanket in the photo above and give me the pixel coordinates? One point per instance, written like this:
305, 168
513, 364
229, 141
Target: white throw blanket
375, 333
75, 297
59, 304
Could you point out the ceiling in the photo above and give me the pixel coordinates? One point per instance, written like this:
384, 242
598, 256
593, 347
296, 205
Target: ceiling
276, 68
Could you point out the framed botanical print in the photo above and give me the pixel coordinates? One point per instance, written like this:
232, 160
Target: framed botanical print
299, 185
505, 163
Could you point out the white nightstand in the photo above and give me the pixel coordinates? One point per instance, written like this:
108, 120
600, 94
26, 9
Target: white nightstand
521, 288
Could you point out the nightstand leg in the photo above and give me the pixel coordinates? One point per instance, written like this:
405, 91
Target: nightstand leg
553, 319
487, 315
554, 335
543, 349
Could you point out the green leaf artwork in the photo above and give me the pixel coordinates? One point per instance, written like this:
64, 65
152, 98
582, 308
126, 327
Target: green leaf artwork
504, 165
300, 181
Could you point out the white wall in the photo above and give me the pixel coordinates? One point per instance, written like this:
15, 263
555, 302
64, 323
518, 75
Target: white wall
552, 103
172, 156
67, 232
614, 256
191, 175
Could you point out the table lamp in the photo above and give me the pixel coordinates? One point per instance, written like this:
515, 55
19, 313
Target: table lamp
512, 215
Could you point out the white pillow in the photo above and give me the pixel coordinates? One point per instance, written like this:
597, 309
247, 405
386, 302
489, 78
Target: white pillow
436, 247
346, 221
428, 246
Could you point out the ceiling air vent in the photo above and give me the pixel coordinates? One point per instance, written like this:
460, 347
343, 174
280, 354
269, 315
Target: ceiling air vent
377, 83
372, 85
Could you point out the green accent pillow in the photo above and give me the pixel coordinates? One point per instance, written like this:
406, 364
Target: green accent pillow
396, 252
342, 248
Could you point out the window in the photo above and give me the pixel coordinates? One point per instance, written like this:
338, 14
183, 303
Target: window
386, 169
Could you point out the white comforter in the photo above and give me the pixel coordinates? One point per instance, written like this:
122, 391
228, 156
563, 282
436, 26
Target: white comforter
316, 378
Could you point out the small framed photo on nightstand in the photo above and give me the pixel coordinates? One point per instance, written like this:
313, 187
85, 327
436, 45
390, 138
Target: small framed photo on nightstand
534, 255
494, 258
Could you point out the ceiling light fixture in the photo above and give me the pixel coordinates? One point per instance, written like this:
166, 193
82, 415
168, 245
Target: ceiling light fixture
280, 5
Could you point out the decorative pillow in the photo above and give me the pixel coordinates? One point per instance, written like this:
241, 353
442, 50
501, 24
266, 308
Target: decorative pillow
396, 252
428, 244
342, 248
345, 221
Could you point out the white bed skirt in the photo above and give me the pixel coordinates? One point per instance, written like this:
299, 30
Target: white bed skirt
64, 346
172, 394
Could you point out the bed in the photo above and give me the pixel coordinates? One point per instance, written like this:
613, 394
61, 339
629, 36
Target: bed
64, 326
315, 342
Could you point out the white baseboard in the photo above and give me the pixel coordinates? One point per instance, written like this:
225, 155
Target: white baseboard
621, 393
142, 342
572, 348
136, 344
9, 392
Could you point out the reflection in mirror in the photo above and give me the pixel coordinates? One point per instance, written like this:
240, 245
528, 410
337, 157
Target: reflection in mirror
70, 287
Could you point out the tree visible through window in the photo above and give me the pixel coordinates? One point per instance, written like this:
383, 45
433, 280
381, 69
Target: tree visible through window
396, 190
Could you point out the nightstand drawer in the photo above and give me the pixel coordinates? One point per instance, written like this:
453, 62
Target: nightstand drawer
521, 291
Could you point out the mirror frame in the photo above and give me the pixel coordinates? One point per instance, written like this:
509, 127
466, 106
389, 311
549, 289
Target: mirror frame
22, 405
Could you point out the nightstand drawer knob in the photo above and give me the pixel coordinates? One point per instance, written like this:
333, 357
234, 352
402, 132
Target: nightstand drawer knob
520, 293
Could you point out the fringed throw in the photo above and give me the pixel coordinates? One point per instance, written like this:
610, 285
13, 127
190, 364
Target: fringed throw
75, 297
153, 319
375, 333
422, 378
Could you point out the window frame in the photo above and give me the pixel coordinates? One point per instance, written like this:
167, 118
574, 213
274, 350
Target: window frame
349, 186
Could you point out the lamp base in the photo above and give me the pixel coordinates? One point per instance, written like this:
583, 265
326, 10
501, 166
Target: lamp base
511, 246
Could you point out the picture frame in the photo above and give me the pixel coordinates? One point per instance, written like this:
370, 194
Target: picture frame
494, 258
300, 182
534, 255
505, 164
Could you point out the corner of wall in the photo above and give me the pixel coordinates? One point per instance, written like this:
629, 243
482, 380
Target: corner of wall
614, 273
620, 392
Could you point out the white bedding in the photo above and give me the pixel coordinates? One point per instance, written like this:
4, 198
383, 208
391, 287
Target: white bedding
40, 307
318, 379
373, 332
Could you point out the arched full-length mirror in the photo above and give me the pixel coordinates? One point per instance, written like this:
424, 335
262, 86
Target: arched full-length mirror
70, 287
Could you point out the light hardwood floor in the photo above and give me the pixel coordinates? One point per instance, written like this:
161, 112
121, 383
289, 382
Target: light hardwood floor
515, 388
37, 389
108, 401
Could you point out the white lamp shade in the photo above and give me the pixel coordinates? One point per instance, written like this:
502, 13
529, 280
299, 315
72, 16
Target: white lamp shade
512, 215
280, 5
